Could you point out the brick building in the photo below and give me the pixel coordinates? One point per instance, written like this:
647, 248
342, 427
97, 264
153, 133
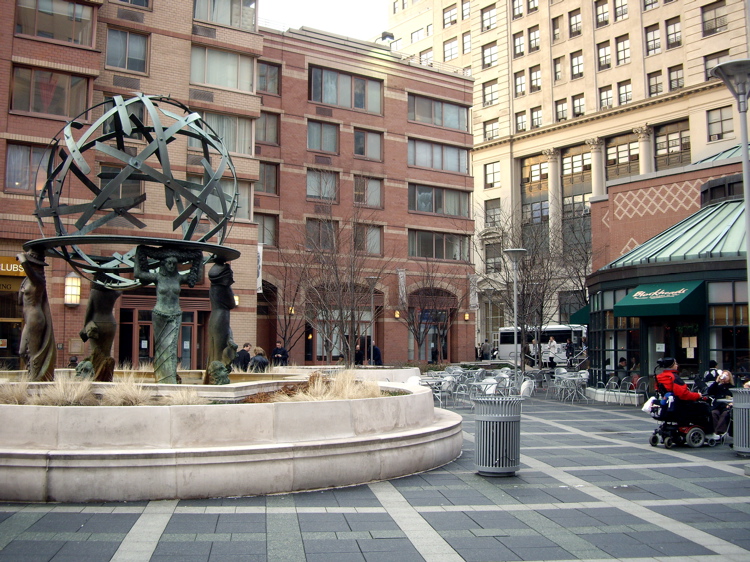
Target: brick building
256, 88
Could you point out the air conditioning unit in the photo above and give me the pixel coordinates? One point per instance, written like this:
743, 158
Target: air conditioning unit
714, 137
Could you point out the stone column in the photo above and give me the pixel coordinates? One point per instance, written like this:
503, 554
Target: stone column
554, 190
598, 172
645, 149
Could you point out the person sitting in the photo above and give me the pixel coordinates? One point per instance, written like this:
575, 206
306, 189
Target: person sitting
720, 391
691, 405
707, 379
258, 363
622, 369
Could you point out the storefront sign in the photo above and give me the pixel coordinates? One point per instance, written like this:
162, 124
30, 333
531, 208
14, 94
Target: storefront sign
658, 294
10, 266
10, 284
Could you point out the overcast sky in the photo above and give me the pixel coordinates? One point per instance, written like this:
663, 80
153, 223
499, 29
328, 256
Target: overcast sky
360, 19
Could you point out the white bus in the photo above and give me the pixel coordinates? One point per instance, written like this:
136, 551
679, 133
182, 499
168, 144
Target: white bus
502, 340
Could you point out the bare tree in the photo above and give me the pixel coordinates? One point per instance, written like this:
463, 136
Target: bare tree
288, 305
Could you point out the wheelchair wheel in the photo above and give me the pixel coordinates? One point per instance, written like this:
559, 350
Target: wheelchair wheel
653, 440
669, 442
695, 437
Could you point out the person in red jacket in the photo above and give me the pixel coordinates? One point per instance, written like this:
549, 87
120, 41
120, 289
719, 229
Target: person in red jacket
691, 405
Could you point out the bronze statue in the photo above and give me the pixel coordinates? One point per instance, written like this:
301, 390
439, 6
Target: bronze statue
221, 345
167, 315
85, 370
217, 373
99, 327
37, 339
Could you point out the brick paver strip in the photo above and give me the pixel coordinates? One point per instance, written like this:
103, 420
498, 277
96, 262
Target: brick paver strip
139, 544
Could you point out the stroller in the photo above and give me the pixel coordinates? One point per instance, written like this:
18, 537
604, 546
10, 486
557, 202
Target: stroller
678, 426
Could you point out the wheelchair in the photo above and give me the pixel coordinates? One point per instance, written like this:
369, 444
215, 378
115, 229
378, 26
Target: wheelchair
678, 426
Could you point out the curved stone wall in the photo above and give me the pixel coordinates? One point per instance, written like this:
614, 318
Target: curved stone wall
50, 453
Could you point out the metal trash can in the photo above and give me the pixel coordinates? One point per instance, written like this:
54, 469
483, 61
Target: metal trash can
497, 437
741, 420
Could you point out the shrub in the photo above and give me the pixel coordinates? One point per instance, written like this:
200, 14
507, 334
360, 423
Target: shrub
15, 392
126, 392
184, 397
65, 390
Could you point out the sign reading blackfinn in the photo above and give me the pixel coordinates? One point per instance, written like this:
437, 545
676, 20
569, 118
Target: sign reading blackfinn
10, 266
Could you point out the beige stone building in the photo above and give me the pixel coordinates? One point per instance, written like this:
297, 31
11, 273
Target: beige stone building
572, 98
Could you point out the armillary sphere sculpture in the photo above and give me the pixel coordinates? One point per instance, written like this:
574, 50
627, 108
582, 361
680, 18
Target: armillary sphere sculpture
181, 220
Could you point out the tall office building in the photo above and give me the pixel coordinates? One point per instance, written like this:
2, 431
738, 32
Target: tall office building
572, 98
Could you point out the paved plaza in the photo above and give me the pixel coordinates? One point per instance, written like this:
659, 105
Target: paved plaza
590, 487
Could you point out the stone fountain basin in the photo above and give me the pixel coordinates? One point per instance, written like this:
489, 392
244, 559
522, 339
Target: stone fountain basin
106, 453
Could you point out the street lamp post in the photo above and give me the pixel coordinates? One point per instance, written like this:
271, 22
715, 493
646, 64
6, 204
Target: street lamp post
515, 254
736, 77
371, 282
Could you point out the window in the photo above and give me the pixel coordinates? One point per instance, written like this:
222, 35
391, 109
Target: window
491, 129
534, 39
450, 16
623, 155
438, 200
367, 239
492, 172
533, 6
576, 64
650, 5
557, 28
266, 229
720, 123
368, 144
417, 35
126, 50
489, 55
490, 93
604, 54
576, 164
517, 9
655, 85
438, 156
322, 136
535, 78
466, 38
235, 132
519, 83
536, 117
141, 3
450, 49
674, 33
128, 189
321, 235
653, 40
712, 60
266, 128
574, 21
368, 191
135, 109
442, 114
428, 30
602, 12
232, 13
438, 245
557, 68
676, 77
624, 92
47, 92
21, 165
425, 57
268, 178
561, 110
268, 78
344, 90
489, 18
520, 121
714, 18
62, 21
465, 10
397, 44
605, 97
518, 44
579, 105
623, 49
672, 144
322, 184
621, 9
221, 68
492, 213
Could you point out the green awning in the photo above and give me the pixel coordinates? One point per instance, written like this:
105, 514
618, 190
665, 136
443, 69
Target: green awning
581, 316
664, 299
